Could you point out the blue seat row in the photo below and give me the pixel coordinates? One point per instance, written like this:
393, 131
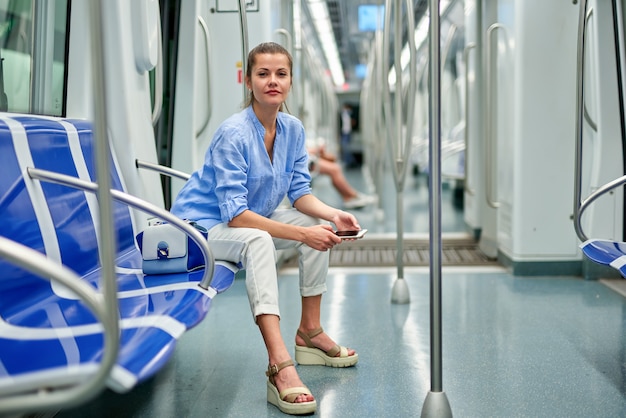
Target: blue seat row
46, 333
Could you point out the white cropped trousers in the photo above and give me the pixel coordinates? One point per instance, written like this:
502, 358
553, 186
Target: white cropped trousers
255, 251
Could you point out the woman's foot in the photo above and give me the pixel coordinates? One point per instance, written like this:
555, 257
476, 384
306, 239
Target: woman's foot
315, 347
286, 378
359, 201
286, 390
321, 341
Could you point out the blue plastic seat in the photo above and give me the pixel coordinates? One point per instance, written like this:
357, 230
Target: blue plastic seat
606, 252
46, 333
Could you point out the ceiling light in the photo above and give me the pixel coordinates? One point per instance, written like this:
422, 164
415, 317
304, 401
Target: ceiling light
326, 36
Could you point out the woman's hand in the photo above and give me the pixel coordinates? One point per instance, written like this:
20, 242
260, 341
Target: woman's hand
321, 237
345, 221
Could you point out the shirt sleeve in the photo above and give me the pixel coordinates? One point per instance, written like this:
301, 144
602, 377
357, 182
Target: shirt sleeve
229, 159
301, 181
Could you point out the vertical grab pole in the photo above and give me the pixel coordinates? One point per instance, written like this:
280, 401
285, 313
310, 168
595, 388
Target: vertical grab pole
400, 290
399, 150
108, 245
436, 403
580, 103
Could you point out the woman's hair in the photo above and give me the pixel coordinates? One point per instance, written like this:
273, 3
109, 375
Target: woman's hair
265, 48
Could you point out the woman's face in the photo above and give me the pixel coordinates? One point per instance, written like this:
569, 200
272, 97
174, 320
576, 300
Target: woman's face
270, 79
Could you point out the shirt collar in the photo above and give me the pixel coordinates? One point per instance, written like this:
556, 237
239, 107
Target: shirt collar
259, 126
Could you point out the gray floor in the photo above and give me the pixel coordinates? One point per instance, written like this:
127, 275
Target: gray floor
512, 347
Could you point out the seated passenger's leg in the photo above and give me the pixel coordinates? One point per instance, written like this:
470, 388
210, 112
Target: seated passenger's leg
313, 264
285, 389
313, 346
255, 251
352, 199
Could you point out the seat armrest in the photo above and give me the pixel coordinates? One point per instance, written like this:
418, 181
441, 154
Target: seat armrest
161, 169
140, 204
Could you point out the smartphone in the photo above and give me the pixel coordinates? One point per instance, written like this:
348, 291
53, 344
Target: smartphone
351, 234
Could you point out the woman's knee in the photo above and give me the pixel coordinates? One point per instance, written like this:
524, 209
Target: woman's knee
261, 241
334, 170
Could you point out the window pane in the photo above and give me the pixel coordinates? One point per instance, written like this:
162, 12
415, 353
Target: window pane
32, 47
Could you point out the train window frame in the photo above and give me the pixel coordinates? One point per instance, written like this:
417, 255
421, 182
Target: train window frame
34, 51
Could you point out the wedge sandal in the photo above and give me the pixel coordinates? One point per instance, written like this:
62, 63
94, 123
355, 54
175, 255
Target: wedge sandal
285, 399
313, 356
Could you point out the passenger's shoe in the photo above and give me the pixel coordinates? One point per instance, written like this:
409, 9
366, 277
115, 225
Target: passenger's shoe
361, 200
313, 356
285, 400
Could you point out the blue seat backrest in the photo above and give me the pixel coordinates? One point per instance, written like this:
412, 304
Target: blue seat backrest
54, 219
122, 216
17, 214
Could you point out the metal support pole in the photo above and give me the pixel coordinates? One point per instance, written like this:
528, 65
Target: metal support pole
436, 403
400, 290
399, 147
108, 240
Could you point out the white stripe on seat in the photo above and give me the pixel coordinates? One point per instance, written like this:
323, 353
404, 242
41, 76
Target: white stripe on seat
35, 191
618, 263
73, 140
21, 333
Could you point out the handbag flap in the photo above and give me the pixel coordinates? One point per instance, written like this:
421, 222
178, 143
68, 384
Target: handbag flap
163, 241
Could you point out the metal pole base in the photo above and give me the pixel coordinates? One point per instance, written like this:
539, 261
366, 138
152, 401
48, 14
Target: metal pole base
399, 315
436, 405
400, 292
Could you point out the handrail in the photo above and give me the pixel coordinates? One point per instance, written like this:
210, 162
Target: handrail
580, 84
293, 97
448, 44
287, 35
44, 267
243, 19
598, 193
207, 40
399, 154
468, 189
162, 169
325, 123
490, 144
373, 126
158, 83
592, 124
379, 117
590, 121
140, 204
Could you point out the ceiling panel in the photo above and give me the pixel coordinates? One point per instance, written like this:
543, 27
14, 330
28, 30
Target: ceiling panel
352, 44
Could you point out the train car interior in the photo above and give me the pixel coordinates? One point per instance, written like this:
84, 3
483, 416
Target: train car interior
485, 146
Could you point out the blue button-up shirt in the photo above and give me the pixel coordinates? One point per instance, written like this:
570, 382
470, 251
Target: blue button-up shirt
237, 173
